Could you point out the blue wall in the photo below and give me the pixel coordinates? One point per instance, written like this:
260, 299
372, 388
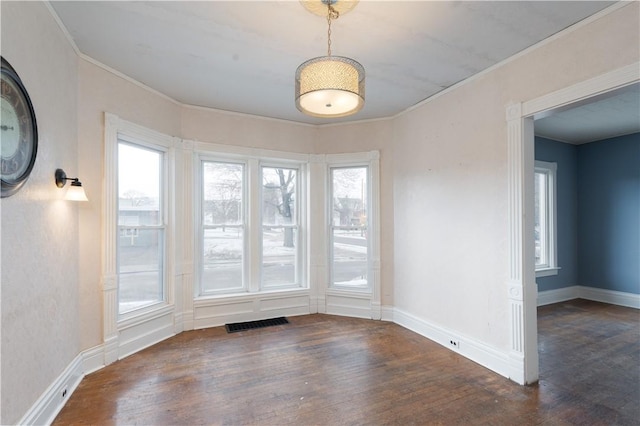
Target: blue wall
609, 214
566, 156
598, 213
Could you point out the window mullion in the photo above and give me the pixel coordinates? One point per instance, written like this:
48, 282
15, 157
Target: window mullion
253, 243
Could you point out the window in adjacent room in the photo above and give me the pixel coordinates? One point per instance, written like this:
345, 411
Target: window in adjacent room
545, 218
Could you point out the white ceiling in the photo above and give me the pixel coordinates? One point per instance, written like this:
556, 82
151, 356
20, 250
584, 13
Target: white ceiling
242, 55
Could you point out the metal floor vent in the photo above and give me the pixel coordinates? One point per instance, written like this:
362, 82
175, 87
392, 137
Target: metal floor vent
242, 326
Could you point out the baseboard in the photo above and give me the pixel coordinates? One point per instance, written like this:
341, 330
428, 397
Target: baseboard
47, 407
132, 346
351, 304
387, 313
590, 293
93, 359
476, 351
620, 298
549, 297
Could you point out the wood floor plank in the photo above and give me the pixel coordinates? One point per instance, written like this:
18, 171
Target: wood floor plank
328, 370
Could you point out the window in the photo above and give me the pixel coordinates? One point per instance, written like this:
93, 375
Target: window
244, 248
223, 226
141, 226
280, 231
545, 218
349, 227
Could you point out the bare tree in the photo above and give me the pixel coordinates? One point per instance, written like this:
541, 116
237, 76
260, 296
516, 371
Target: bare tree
283, 190
136, 198
223, 193
349, 194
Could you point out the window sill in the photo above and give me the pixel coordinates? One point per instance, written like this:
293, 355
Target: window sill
204, 299
147, 313
546, 272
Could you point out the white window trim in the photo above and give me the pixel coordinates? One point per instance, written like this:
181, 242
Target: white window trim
133, 323
345, 299
552, 212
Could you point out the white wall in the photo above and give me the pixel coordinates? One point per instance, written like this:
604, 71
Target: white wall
450, 180
39, 230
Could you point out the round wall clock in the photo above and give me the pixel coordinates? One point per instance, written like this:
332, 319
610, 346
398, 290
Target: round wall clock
18, 132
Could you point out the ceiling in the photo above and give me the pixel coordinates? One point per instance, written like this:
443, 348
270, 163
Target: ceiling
613, 114
242, 56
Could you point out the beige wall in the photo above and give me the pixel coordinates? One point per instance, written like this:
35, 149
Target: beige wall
450, 179
39, 230
207, 125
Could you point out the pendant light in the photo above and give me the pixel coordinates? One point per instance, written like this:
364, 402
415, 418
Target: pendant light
330, 86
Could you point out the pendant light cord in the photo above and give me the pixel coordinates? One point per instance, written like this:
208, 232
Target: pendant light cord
331, 14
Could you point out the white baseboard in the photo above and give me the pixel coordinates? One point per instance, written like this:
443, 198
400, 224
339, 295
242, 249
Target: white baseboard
47, 407
387, 313
549, 297
93, 359
590, 293
629, 300
472, 349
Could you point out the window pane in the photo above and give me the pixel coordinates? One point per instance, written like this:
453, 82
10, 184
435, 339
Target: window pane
139, 183
278, 196
222, 259
541, 229
349, 262
223, 189
140, 272
279, 252
349, 196
349, 257
140, 252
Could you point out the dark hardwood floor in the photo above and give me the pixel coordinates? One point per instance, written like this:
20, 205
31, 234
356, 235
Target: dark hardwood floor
328, 370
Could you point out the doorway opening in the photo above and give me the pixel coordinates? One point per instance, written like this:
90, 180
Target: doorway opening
522, 288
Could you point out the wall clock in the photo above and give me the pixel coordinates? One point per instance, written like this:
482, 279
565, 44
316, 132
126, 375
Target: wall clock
18, 132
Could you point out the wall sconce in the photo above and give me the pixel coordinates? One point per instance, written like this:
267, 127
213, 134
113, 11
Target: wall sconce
75, 191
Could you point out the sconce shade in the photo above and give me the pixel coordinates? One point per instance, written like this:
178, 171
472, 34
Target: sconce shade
75, 191
330, 86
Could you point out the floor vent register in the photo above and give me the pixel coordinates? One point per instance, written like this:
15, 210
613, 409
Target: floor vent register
249, 325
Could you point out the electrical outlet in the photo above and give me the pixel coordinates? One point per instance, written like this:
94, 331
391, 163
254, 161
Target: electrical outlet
454, 343
64, 392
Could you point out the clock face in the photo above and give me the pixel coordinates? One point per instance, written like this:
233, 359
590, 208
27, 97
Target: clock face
18, 132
